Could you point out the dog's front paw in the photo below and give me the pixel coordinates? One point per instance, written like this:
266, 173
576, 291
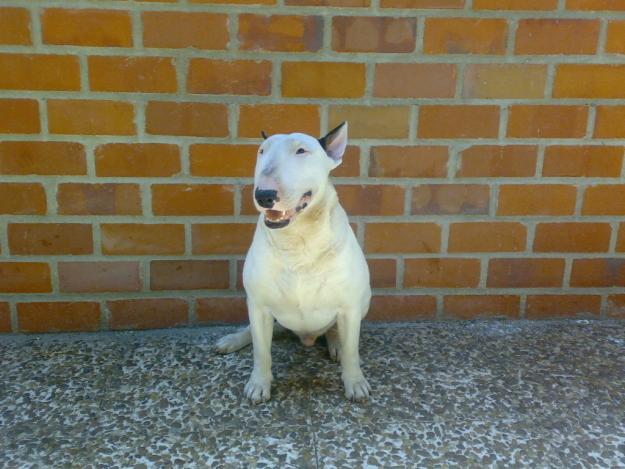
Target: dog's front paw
356, 387
258, 388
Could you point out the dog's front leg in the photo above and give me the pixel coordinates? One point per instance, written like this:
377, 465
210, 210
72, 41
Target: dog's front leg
356, 386
258, 388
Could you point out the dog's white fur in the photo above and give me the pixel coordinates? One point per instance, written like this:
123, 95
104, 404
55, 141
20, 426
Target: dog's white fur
311, 275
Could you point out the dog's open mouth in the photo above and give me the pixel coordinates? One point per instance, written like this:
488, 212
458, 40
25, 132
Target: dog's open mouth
279, 219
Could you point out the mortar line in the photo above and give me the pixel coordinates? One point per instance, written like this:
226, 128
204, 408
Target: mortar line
603, 36
408, 199
445, 231
324, 119
603, 309
360, 233
579, 200
326, 38
137, 29
233, 26
105, 316
232, 274
460, 71
237, 200
413, 120
420, 34
440, 306
540, 161
90, 159
13, 316
192, 302
54, 278
276, 81
144, 274
145, 190
568, 266
83, 64
188, 239
140, 122
453, 162
364, 161
400, 269
531, 237
522, 305
551, 75
43, 118
50, 188
36, 26
590, 123
233, 117
185, 158
504, 114
513, 25
614, 231
97, 237
369, 81
483, 272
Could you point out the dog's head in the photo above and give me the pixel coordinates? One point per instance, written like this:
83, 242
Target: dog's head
292, 170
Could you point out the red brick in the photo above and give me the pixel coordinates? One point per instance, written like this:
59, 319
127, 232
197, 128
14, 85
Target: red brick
616, 307
350, 167
620, 241
222, 160
25, 277
547, 121
81, 116
193, 119
487, 237
323, 79
556, 36
464, 36
86, 27
58, 316
481, 306
497, 161
557, 306
615, 42
278, 118
525, 273
5, 318
610, 122
614, 5
236, 2
192, 199
137, 160
382, 272
422, 3
230, 310
372, 121
458, 121
177, 29
19, 116
589, 81
518, 81
604, 200
286, 33
98, 199
98, 276
401, 308
245, 77
373, 34
333, 3
441, 273
128, 239
572, 237
50, 238
536, 199
153, 313
222, 238
583, 160
22, 199
598, 273
189, 275
371, 199
407, 237
412, 162
39, 72
440, 199
515, 4
132, 74
414, 80
42, 158
14, 27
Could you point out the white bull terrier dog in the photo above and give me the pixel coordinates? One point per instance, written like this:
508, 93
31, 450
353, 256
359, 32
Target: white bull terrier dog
304, 268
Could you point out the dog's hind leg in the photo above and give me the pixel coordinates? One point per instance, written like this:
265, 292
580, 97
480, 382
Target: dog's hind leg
238, 340
334, 344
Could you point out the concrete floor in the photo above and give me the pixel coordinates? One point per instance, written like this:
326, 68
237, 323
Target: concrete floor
446, 394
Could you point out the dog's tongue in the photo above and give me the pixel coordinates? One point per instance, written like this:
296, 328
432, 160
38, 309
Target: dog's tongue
273, 215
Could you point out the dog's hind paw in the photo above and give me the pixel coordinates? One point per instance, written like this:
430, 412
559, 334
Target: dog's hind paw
357, 388
232, 342
334, 349
258, 389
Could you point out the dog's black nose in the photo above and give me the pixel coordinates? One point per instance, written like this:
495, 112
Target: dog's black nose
266, 198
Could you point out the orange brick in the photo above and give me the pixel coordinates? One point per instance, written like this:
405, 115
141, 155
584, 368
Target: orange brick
42, 158
14, 27
323, 80
371, 199
525, 273
192, 199
177, 29
81, 116
416, 161
547, 121
22, 199
230, 310
86, 27
497, 161
5, 317
193, 119
19, 116
39, 72
287, 33
556, 306
278, 118
222, 238
372, 121
83, 277
481, 306
373, 34
422, 3
536, 199
247, 200
127, 239
515, 4
332, 3
442, 199
414, 80
604, 200
582, 160
487, 237
25, 277
556, 36
615, 5
98, 199
504, 81
137, 160
407, 237
402, 307
189, 275
615, 42
616, 307
132, 74
382, 272
58, 316
459, 121
237, 2
598, 273
464, 36
50, 238
229, 77
441, 273
620, 241
572, 237
589, 81
222, 160
610, 122
153, 313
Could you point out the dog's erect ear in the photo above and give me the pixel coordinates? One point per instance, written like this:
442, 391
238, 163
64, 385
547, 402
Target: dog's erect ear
263, 134
335, 142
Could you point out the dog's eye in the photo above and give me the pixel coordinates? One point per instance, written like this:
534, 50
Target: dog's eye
300, 151
261, 151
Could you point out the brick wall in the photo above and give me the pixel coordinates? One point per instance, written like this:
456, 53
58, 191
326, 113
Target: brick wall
484, 176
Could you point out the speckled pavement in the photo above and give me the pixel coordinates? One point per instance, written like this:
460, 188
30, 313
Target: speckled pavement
446, 394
